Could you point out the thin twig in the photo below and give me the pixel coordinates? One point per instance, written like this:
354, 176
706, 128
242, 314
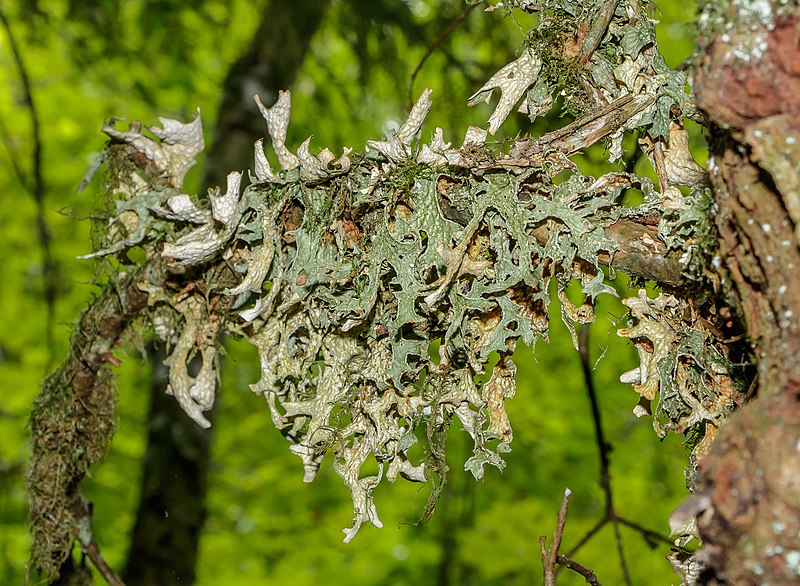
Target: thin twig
92, 550
587, 574
562, 522
621, 551
603, 448
89, 545
599, 434
36, 187
588, 536
646, 533
439, 40
550, 556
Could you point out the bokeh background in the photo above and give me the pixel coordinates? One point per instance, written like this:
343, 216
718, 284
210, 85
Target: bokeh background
88, 61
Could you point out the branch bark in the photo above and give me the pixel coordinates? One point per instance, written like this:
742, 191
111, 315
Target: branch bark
73, 421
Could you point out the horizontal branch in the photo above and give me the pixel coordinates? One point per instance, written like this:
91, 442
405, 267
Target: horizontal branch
585, 131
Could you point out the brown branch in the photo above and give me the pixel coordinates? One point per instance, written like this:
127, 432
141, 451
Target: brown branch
72, 422
641, 252
588, 574
550, 556
583, 132
93, 552
36, 188
600, 23
439, 40
89, 546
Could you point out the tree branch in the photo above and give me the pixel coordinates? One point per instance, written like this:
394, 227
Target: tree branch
73, 421
588, 574
597, 32
610, 514
83, 516
549, 556
37, 189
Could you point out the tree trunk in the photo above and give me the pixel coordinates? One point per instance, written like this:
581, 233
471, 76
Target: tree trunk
270, 64
171, 510
748, 84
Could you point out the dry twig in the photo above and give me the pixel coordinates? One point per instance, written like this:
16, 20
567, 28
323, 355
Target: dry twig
551, 557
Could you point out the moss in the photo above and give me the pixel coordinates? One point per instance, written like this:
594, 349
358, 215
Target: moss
71, 424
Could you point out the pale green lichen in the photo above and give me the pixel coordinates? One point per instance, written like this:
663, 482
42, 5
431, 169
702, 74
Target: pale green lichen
350, 270
682, 368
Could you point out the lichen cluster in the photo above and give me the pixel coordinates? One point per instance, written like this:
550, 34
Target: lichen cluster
682, 367
379, 288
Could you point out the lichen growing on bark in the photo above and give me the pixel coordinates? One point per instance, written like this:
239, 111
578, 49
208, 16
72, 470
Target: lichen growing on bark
380, 287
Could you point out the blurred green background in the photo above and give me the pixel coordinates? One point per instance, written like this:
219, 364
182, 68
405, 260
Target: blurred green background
90, 61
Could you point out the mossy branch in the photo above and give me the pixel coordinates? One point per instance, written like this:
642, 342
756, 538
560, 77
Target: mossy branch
73, 421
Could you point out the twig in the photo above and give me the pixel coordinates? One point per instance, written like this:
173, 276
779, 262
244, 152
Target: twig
89, 545
439, 40
600, 23
585, 131
588, 535
587, 574
621, 550
550, 556
603, 449
646, 533
37, 189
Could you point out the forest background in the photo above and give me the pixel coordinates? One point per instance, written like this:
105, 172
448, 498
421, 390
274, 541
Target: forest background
87, 62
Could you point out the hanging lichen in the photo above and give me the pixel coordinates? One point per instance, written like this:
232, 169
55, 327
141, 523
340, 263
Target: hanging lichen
347, 272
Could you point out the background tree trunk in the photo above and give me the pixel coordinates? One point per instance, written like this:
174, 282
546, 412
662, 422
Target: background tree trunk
748, 84
270, 64
171, 510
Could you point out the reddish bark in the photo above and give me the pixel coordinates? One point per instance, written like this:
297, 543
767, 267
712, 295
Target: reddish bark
751, 528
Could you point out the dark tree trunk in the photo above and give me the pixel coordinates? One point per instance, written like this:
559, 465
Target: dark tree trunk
748, 84
172, 509
270, 64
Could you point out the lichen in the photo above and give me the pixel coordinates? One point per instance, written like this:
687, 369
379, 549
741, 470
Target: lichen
347, 272
683, 369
